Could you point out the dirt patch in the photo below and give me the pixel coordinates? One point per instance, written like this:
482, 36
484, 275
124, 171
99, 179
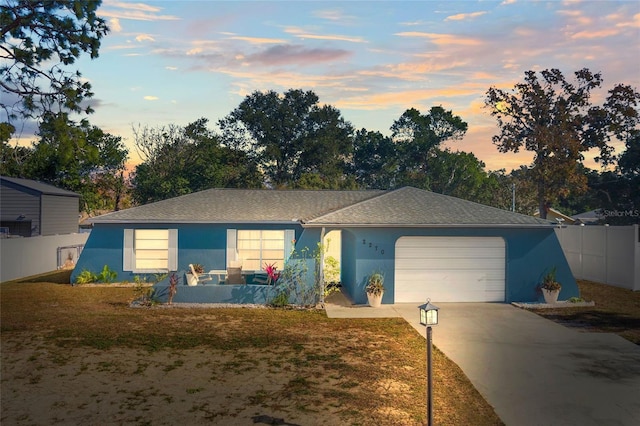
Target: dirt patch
615, 310
84, 356
44, 385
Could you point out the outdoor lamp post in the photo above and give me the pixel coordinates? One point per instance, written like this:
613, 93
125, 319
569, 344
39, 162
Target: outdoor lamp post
429, 318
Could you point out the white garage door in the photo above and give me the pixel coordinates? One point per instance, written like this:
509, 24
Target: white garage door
450, 269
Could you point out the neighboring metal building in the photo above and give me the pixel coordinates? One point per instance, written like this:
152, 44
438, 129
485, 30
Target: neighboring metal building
29, 208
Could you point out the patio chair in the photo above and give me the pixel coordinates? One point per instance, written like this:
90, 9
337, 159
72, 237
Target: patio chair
234, 276
261, 279
199, 278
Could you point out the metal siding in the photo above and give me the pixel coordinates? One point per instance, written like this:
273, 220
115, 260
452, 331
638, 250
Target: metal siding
59, 215
450, 269
14, 203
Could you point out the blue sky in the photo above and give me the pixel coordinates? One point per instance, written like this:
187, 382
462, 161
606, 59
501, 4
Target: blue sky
176, 61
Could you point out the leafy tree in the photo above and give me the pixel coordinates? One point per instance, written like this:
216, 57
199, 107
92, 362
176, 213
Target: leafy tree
290, 136
374, 160
526, 190
6, 130
11, 159
39, 39
615, 197
460, 174
554, 119
417, 137
180, 160
622, 108
76, 156
629, 161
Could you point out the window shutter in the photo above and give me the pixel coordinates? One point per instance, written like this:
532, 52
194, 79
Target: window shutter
127, 251
289, 243
232, 246
173, 250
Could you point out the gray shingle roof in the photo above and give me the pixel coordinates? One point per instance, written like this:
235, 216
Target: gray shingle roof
40, 187
239, 206
416, 207
402, 207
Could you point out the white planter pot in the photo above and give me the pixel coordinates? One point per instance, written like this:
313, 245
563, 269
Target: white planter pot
191, 280
550, 296
375, 301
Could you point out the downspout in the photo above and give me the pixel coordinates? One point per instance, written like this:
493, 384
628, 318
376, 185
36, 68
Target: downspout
321, 271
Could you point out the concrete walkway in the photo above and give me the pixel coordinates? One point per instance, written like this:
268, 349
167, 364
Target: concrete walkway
531, 370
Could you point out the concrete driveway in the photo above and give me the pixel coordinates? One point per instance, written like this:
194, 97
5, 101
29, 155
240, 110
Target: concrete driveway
531, 370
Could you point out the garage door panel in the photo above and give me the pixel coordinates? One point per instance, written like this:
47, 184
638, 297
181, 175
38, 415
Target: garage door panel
453, 242
450, 269
411, 264
460, 253
444, 277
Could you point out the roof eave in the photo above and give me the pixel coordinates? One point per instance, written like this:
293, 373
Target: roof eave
429, 225
216, 222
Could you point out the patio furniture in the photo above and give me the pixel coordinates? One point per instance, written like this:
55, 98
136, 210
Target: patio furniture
199, 278
234, 276
220, 275
260, 278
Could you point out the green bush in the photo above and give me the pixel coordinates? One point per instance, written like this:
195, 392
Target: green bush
86, 277
107, 275
280, 301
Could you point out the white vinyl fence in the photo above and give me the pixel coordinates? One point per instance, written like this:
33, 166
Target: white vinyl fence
604, 254
22, 257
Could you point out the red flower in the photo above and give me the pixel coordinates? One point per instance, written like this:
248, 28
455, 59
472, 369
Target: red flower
271, 272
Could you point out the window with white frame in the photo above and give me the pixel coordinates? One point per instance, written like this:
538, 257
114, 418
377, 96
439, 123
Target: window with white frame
150, 250
257, 247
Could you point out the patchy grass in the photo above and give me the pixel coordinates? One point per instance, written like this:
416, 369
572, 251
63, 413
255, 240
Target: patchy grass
71, 352
616, 310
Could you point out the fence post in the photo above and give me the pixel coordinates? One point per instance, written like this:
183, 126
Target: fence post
606, 254
581, 255
636, 258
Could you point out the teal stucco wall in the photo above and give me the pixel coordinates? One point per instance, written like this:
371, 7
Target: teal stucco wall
530, 253
205, 244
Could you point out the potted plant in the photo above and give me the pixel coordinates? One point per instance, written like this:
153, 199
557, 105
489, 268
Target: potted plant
192, 278
550, 287
375, 289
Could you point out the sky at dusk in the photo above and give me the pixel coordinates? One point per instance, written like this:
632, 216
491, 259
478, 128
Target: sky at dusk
172, 62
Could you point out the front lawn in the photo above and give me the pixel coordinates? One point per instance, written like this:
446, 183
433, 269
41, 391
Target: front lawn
81, 355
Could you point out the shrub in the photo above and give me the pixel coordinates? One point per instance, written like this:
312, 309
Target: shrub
86, 277
280, 301
107, 275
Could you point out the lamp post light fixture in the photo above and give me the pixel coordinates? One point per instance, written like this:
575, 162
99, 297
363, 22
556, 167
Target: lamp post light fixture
429, 318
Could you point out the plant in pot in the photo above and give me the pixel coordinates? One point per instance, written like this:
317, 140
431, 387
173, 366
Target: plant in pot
375, 289
192, 278
550, 287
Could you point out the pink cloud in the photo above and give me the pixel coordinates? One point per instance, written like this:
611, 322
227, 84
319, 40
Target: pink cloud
464, 16
442, 39
299, 55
